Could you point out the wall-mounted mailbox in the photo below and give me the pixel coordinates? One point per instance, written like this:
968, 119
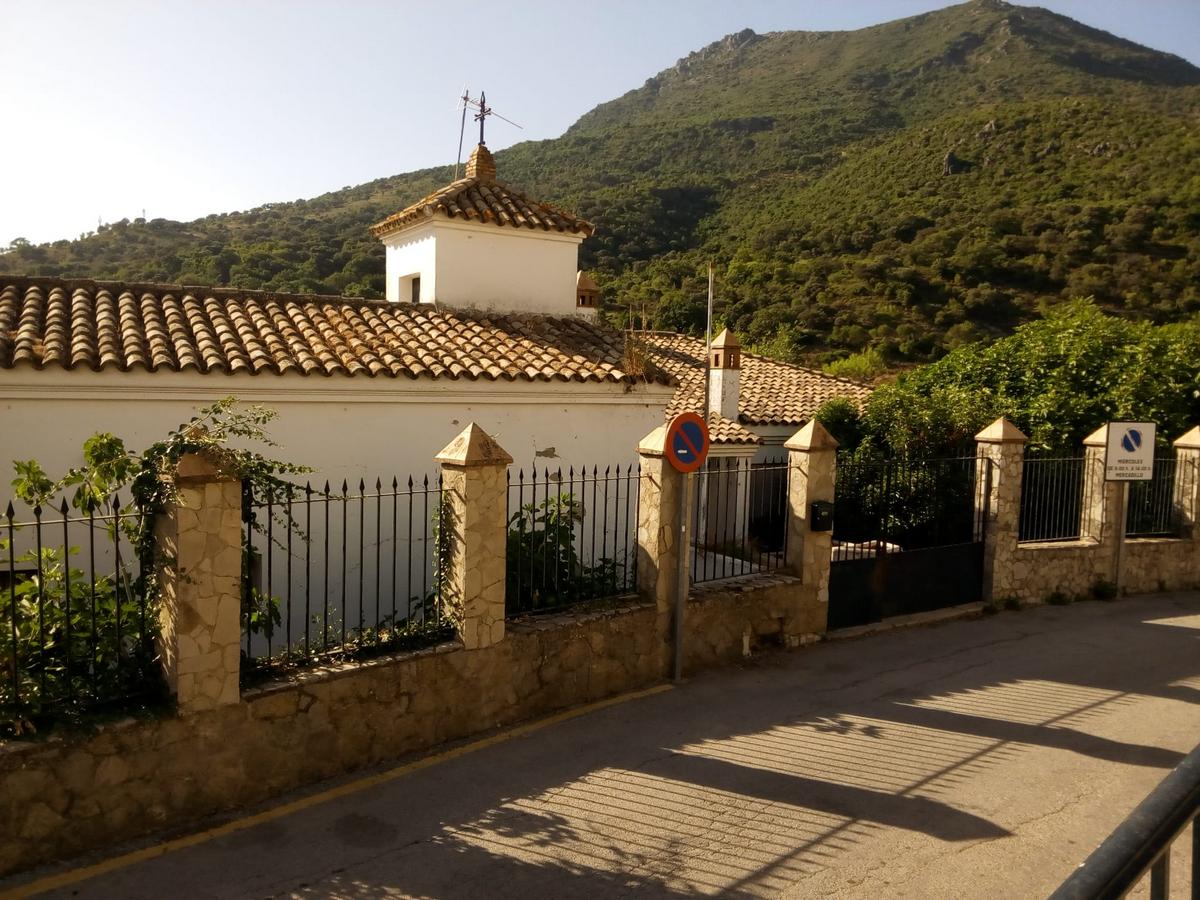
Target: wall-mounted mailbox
820, 517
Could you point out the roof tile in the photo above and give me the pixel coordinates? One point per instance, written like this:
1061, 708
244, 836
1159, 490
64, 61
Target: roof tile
772, 392
481, 198
67, 323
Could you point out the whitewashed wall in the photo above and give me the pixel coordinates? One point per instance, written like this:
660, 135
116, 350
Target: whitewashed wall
487, 267
408, 253
343, 427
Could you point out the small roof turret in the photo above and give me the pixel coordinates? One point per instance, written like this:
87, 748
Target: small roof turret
726, 339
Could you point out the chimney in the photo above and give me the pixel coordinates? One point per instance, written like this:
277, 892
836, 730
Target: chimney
587, 293
481, 165
725, 375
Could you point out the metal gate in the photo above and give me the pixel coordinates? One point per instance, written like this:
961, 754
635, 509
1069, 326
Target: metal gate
907, 537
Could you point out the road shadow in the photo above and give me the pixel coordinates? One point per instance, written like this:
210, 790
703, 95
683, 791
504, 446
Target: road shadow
740, 783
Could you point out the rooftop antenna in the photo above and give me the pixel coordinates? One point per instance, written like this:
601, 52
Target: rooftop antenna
482, 111
462, 105
708, 343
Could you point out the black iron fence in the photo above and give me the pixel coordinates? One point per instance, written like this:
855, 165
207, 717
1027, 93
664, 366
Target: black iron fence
740, 516
343, 571
1153, 509
76, 629
1052, 499
1142, 844
571, 536
896, 505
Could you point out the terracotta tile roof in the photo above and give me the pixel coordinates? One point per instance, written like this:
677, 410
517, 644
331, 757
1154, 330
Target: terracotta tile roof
69, 323
481, 198
725, 431
772, 392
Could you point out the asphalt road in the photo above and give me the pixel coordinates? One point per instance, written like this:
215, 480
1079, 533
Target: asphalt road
980, 758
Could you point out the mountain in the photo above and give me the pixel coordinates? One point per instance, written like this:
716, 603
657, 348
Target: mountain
809, 167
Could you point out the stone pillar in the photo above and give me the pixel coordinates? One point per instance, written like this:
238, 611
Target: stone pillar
1001, 451
812, 464
1101, 507
474, 519
199, 542
1187, 484
658, 531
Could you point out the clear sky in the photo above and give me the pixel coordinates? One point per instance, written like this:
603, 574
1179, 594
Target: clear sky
188, 107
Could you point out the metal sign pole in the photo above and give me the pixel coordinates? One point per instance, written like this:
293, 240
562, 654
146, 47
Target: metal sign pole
1120, 576
685, 488
686, 449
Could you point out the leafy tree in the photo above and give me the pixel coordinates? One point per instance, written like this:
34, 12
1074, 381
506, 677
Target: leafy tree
1058, 379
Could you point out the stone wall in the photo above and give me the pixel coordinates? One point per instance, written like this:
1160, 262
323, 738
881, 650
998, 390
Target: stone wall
218, 751
1161, 564
79, 791
1035, 571
728, 620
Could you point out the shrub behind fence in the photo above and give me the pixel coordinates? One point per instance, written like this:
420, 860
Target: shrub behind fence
571, 536
1153, 507
897, 505
76, 631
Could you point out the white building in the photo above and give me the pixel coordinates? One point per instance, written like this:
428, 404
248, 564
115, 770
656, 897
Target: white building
503, 332
487, 320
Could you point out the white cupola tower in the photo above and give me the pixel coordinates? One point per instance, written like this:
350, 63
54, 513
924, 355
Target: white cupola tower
725, 375
479, 244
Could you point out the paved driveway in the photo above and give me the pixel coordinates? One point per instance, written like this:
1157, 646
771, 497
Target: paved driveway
974, 759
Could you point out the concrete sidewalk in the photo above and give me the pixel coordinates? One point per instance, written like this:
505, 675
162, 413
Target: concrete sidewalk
982, 758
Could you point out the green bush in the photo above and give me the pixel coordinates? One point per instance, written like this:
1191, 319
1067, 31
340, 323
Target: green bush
862, 366
70, 641
544, 569
109, 644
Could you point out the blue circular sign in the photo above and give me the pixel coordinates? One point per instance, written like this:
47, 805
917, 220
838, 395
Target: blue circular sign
687, 442
1132, 440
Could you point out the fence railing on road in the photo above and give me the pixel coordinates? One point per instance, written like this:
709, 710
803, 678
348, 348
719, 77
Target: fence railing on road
740, 516
337, 571
572, 536
1052, 498
75, 629
1142, 843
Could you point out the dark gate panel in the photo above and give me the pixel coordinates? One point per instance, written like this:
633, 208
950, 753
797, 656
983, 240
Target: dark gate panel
895, 584
908, 537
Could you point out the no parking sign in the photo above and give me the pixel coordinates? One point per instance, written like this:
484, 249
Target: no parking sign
687, 442
1129, 454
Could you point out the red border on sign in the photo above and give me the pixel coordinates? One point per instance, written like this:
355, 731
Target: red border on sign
701, 452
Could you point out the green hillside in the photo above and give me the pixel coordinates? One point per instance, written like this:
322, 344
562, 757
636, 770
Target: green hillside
809, 167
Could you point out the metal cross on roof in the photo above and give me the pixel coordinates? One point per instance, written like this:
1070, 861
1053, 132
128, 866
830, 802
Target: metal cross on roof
482, 111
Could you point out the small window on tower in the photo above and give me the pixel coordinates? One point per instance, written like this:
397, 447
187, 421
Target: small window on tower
416, 289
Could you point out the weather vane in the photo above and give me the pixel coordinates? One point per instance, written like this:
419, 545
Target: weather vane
482, 111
